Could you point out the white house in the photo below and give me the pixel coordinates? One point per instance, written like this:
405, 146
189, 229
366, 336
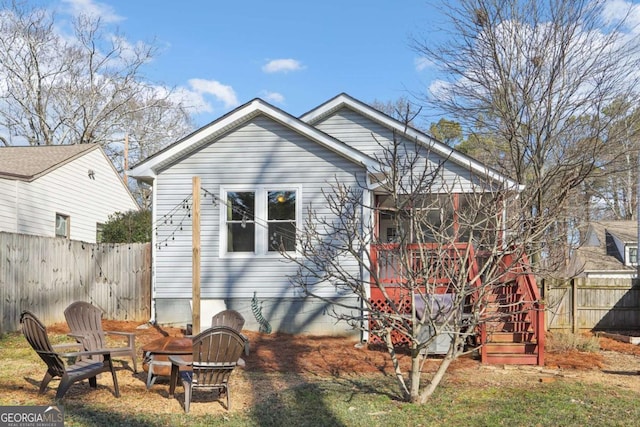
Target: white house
60, 191
252, 158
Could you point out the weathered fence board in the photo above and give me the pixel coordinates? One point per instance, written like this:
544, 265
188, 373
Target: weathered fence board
598, 304
45, 275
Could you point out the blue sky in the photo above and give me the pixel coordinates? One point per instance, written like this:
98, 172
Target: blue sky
294, 54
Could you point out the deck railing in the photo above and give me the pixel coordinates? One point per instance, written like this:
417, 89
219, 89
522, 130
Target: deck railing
423, 268
427, 263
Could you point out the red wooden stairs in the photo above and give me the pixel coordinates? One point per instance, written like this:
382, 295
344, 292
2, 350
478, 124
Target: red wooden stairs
513, 331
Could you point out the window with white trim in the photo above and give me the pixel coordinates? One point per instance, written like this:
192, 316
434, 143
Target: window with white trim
99, 232
260, 221
62, 225
632, 255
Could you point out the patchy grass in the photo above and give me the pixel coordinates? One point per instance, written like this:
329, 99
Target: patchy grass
305, 393
366, 403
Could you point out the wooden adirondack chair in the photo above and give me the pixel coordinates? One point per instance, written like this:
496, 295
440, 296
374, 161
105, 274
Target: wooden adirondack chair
232, 319
85, 323
216, 353
83, 368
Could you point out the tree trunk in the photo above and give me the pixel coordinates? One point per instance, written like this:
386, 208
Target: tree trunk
435, 380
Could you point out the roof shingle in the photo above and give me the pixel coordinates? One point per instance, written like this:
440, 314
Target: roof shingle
27, 163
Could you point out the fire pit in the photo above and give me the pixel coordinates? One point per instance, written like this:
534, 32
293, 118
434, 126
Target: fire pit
156, 356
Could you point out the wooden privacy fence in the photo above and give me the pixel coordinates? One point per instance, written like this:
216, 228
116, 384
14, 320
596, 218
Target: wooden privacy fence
592, 304
45, 275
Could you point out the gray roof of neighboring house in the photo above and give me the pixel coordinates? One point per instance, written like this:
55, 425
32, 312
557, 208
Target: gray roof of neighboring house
593, 256
27, 163
626, 231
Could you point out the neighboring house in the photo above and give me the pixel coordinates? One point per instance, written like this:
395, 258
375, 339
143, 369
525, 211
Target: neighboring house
609, 250
60, 191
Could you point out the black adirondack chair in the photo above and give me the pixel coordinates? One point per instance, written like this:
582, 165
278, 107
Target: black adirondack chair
84, 366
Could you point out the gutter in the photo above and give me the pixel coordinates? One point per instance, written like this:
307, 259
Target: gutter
152, 320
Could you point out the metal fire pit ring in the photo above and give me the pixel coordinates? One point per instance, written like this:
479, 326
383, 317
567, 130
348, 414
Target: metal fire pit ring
156, 356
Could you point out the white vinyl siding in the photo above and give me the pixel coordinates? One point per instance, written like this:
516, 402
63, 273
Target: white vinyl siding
367, 135
69, 190
8, 214
259, 154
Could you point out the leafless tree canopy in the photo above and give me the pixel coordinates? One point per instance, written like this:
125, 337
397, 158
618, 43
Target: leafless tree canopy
538, 77
83, 87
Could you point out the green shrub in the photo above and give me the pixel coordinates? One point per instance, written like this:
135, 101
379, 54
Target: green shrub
129, 227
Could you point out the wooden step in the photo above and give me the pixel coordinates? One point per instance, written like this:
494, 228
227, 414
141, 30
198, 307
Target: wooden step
504, 298
513, 337
511, 359
509, 327
511, 348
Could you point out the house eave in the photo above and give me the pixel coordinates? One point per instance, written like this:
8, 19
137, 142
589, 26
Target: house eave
150, 167
344, 100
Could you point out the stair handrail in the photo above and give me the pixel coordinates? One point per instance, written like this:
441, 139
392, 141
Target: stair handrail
533, 304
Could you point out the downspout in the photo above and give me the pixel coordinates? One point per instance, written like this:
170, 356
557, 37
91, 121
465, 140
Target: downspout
367, 227
152, 320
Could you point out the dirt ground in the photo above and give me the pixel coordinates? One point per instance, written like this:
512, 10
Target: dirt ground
306, 357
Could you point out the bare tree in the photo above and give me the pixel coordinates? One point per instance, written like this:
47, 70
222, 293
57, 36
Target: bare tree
85, 87
425, 257
537, 76
614, 185
400, 109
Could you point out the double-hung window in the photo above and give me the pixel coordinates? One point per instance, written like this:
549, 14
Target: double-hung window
262, 221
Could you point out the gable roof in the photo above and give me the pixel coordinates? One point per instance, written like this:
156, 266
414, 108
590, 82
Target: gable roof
598, 253
345, 101
27, 163
149, 167
625, 231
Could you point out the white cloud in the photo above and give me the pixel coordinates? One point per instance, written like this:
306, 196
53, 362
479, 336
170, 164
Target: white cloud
282, 66
192, 100
615, 10
274, 97
439, 88
94, 9
422, 63
221, 92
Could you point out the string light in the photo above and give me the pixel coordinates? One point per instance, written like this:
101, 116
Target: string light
167, 219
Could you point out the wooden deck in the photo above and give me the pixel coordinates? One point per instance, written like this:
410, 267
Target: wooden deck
511, 330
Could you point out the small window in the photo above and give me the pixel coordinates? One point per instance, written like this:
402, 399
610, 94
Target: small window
62, 225
633, 255
99, 232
